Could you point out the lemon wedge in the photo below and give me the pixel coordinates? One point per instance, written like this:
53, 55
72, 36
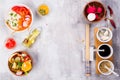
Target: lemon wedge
26, 66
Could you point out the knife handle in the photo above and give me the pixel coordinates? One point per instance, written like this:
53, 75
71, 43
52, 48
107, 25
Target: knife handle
88, 68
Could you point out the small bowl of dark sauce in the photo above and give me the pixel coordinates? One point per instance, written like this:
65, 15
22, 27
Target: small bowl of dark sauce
107, 51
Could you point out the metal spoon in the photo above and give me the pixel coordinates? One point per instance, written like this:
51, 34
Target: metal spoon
99, 50
116, 74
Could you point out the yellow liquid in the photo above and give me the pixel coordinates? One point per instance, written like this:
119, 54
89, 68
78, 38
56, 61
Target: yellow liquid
31, 38
43, 9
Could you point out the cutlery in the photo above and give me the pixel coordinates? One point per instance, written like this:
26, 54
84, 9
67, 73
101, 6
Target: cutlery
116, 74
87, 56
96, 50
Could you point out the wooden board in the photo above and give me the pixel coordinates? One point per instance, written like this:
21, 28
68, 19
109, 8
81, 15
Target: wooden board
97, 43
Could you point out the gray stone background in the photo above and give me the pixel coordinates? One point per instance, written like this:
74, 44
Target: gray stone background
57, 53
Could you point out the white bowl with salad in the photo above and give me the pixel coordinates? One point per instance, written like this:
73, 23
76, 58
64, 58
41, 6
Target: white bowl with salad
19, 17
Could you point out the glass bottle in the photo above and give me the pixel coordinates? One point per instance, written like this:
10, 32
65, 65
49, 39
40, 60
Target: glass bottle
30, 39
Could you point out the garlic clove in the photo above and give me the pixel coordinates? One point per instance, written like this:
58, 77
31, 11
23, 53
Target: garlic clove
106, 33
103, 38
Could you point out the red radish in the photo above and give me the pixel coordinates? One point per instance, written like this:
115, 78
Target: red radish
10, 43
91, 9
99, 10
91, 16
97, 17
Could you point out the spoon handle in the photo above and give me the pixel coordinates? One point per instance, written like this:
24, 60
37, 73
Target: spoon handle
112, 71
98, 50
115, 73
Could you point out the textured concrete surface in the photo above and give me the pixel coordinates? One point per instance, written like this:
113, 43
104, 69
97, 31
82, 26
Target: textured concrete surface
57, 53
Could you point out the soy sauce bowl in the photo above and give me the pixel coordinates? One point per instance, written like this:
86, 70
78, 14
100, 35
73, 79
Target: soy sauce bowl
107, 53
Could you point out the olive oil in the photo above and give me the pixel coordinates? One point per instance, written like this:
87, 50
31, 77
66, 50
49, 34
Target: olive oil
29, 40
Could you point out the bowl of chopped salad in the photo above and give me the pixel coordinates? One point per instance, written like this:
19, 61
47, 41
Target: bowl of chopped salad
19, 17
20, 63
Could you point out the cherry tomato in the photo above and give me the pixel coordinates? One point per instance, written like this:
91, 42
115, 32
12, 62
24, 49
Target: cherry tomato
26, 58
10, 43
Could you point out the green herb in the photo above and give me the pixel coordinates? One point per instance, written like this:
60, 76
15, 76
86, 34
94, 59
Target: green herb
11, 14
15, 15
26, 73
14, 24
20, 64
42, 11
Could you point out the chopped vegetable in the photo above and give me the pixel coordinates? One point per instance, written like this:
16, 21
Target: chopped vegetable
19, 73
17, 59
111, 11
24, 55
14, 65
26, 58
91, 9
111, 17
20, 63
113, 23
16, 19
26, 66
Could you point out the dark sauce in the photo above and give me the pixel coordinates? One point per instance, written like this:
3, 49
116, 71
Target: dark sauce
106, 51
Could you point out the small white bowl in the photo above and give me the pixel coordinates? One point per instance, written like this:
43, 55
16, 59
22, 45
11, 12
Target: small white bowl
109, 72
111, 51
107, 29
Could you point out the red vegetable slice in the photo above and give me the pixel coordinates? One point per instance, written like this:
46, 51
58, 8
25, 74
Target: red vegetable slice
16, 9
21, 10
26, 58
113, 23
91, 9
111, 11
99, 10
